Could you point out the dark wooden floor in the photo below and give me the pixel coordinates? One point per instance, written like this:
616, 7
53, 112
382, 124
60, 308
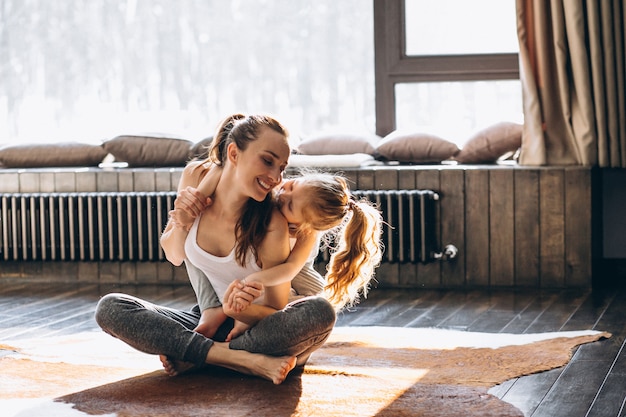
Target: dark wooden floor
592, 384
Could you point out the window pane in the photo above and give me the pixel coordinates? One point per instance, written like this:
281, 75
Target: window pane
452, 27
455, 110
95, 69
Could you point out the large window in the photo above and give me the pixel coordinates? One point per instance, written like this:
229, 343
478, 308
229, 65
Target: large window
448, 67
90, 70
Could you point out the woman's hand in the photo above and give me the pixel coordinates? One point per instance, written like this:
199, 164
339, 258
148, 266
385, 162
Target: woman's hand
188, 205
239, 295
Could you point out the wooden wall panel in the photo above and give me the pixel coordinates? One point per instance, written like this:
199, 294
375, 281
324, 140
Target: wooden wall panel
501, 228
388, 273
408, 271
477, 227
527, 228
365, 180
452, 198
552, 228
523, 226
429, 275
578, 228
513, 226
352, 178
386, 179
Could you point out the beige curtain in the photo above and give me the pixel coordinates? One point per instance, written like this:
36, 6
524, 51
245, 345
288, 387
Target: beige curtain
573, 79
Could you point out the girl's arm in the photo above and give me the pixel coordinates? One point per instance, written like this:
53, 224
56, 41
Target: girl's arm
209, 183
273, 251
277, 280
285, 272
192, 200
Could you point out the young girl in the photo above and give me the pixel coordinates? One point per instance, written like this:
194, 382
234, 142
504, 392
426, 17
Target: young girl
312, 204
316, 203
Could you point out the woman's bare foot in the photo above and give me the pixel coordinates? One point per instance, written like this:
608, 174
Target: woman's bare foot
272, 368
173, 367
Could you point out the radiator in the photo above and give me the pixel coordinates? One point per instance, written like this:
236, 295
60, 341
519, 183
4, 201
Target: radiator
126, 226
84, 226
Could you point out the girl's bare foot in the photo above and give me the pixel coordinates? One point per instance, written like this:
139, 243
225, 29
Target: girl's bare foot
173, 367
272, 368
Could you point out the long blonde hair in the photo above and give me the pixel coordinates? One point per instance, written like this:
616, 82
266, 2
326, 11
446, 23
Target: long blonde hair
354, 229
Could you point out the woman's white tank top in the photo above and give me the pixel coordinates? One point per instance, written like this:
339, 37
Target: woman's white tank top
220, 271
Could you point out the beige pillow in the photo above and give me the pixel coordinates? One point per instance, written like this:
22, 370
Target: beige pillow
338, 144
145, 151
63, 154
489, 144
418, 148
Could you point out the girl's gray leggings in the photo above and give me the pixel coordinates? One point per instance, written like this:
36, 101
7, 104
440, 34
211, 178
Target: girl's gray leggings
297, 330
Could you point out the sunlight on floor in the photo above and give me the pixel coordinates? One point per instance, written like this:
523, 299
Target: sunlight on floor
443, 339
41, 408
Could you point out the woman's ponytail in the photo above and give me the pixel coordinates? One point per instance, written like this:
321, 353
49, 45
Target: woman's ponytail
217, 151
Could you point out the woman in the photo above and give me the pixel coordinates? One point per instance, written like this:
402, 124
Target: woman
242, 233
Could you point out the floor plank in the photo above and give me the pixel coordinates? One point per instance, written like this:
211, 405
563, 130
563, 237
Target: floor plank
610, 398
505, 307
578, 391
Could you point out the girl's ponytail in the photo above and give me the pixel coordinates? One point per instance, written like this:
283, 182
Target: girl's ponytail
356, 256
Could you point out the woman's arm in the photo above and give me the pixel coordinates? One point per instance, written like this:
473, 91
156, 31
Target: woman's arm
188, 205
274, 252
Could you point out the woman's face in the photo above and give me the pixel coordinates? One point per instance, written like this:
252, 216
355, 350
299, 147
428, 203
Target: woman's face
260, 167
291, 200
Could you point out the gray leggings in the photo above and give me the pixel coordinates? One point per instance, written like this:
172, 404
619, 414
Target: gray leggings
297, 330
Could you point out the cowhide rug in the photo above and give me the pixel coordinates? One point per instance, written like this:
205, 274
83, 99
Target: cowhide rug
360, 371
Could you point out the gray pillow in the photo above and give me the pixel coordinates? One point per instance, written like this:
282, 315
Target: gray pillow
489, 144
339, 144
418, 148
63, 154
149, 151
200, 149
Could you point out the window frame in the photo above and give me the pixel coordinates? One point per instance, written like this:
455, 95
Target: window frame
393, 66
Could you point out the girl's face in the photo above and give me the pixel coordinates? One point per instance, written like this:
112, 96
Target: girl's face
260, 167
291, 201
